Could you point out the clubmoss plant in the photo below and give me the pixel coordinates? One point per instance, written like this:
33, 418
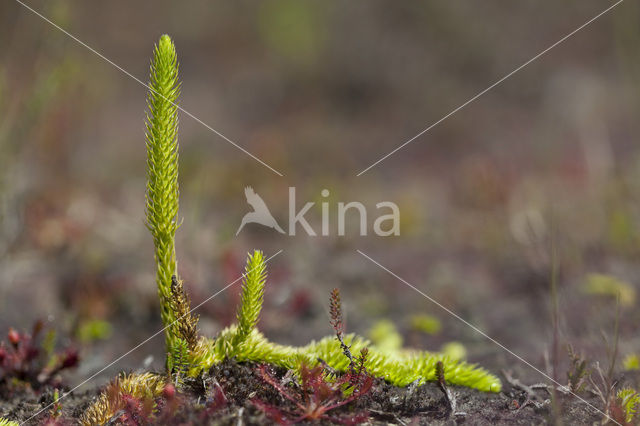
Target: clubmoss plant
162, 181
190, 354
243, 341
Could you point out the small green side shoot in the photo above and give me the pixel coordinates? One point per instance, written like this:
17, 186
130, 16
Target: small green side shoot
255, 277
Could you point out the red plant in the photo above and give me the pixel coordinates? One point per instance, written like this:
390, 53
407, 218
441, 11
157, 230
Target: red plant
136, 411
319, 393
166, 409
335, 310
30, 361
216, 400
300, 303
54, 421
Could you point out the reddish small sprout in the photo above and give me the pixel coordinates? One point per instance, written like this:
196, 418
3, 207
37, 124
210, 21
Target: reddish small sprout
136, 411
52, 421
169, 391
70, 359
26, 362
273, 412
216, 400
318, 394
335, 309
300, 304
14, 337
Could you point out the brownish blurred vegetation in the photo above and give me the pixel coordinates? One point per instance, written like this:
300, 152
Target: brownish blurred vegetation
320, 90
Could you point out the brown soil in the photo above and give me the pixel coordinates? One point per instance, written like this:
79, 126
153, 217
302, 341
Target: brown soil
385, 404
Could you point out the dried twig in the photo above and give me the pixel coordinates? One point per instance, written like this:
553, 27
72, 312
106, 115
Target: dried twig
532, 398
395, 417
449, 395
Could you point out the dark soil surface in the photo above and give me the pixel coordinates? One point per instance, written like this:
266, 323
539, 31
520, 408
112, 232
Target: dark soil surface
384, 404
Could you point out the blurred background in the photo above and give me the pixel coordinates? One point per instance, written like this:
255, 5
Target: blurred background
320, 91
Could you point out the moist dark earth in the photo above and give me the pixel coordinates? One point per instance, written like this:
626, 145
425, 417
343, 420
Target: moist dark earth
385, 404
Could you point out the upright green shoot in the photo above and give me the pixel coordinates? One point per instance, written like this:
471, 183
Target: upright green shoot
162, 173
255, 276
